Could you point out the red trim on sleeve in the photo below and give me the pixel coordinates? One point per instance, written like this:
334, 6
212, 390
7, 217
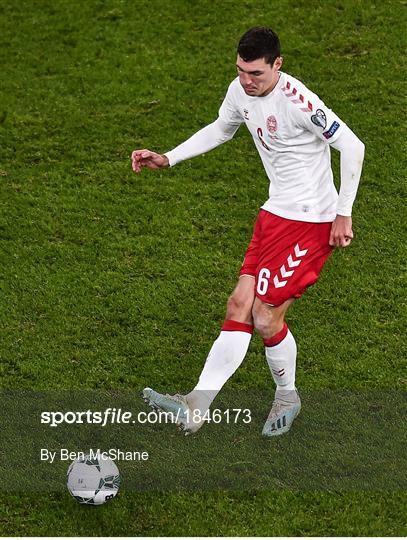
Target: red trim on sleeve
234, 326
276, 339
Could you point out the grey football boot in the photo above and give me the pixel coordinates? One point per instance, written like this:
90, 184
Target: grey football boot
175, 405
286, 407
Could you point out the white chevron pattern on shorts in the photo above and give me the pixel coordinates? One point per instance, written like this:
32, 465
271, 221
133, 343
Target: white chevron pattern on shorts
278, 283
292, 263
286, 273
298, 252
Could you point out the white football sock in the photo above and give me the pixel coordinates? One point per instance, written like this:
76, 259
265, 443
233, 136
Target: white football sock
225, 356
281, 358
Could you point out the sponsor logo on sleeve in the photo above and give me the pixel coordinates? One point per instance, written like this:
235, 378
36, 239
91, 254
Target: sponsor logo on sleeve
334, 127
319, 118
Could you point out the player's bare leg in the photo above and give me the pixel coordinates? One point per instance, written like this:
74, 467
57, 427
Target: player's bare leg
225, 356
281, 352
240, 303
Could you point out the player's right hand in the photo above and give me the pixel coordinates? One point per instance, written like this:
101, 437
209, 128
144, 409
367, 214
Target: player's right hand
146, 158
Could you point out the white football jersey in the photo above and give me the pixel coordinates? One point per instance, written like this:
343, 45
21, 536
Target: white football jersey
292, 129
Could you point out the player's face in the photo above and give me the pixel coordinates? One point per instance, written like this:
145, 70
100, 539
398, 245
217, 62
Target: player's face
257, 77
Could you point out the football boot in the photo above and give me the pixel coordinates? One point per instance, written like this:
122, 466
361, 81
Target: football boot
286, 407
175, 405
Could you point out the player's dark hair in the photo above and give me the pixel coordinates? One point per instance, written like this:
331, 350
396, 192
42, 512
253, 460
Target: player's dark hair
259, 42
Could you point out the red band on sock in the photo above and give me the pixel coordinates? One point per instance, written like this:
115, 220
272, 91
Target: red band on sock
234, 326
278, 338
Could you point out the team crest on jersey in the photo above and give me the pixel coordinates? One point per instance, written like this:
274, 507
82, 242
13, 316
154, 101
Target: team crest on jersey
271, 124
246, 114
319, 118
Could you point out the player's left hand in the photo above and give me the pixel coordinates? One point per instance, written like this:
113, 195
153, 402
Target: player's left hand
341, 231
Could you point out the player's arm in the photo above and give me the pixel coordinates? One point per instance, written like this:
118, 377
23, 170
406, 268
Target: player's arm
201, 142
322, 121
352, 152
149, 159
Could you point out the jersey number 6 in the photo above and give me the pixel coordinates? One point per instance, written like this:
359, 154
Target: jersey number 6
263, 281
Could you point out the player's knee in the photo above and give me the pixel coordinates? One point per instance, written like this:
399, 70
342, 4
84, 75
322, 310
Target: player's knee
239, 307
266, 320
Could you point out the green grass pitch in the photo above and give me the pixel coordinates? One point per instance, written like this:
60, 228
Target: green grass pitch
112, 281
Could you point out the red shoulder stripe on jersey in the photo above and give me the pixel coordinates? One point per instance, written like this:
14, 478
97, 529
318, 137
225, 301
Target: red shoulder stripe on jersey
307, 109
297, 100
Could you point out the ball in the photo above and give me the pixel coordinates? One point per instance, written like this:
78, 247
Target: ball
93, 480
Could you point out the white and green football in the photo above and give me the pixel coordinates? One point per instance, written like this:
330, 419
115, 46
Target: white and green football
93, 480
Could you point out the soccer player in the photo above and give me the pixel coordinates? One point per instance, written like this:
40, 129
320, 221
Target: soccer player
296, 230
